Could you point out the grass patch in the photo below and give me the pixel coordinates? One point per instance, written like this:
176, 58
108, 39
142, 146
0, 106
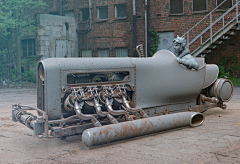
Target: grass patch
235, 81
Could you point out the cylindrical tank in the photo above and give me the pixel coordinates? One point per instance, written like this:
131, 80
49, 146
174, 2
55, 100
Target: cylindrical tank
114, 132
222, 89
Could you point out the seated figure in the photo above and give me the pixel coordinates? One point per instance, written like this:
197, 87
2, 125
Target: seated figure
183, 54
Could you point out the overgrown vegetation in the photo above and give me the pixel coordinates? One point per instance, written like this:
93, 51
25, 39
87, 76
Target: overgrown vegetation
16, 19
154, 41
9, 74
227, 68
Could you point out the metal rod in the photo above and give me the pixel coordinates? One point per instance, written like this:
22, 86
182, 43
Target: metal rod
114, 132
46, 126
32, 108
237, 11
211, 26
223, 22
146, 51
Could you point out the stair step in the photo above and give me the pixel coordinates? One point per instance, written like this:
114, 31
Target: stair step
207, 51
224, 38
212, 47
230, 33
235, 28
202, 55
217, 43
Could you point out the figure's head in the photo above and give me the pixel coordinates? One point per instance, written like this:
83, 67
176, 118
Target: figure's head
179, 44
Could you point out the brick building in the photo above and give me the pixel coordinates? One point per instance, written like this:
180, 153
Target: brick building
114, 27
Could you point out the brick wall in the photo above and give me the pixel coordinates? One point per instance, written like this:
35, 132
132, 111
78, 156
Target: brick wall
113, 33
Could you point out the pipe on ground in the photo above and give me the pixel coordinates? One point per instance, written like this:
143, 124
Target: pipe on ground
129, 129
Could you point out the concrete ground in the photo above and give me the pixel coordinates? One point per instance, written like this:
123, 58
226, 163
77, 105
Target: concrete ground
217, 140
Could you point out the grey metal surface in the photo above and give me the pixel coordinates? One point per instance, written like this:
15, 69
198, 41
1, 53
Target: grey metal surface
161, 80
75, 94
211, 75
114, 132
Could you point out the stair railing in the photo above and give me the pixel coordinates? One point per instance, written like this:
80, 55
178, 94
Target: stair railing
210, 27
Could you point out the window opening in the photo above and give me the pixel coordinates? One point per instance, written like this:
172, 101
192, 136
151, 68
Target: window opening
86, 53
84, 14
121, 11
28, 47
103, 53
199, 5
225, 5
121, 52
176, 6
102, 13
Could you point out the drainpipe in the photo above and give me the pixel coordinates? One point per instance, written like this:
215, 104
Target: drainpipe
148, 35
134, 29
90, 15
146, 28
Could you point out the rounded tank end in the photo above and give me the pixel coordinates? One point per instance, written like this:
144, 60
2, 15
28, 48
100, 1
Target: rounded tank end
86, 138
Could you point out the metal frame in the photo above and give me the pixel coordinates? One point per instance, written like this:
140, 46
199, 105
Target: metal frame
213, 36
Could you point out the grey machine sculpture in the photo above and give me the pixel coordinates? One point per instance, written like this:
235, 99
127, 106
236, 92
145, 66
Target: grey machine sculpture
109, 99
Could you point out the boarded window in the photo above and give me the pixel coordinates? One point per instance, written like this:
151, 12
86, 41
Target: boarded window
69, 13
121, 11
86, 53
199, 5
121, 52
225, 5
84, 15
103, 53
102, 13
54, 13
176, 6
28, 47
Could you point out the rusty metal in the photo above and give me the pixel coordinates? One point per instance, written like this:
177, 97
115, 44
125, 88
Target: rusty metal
129, 129
222, 89
75, 94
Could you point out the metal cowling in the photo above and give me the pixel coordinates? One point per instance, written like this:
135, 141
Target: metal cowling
129, 129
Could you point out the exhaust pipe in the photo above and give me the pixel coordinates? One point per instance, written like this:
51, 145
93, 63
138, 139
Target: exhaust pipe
129, 129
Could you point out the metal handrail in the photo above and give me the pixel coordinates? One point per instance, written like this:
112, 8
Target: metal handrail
211, 25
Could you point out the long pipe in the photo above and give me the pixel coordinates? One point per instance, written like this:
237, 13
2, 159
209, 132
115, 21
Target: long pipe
134, 28
90, 15
114, 132
146, 27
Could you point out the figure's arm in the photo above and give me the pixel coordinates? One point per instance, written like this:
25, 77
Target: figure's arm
189, 63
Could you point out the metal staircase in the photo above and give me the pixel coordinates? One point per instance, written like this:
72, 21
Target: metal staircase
221, 26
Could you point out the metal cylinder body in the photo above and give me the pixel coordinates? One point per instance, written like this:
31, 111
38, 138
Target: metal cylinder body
129, 129
222, 89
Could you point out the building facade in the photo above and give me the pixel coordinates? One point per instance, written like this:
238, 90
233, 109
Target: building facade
113, 28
